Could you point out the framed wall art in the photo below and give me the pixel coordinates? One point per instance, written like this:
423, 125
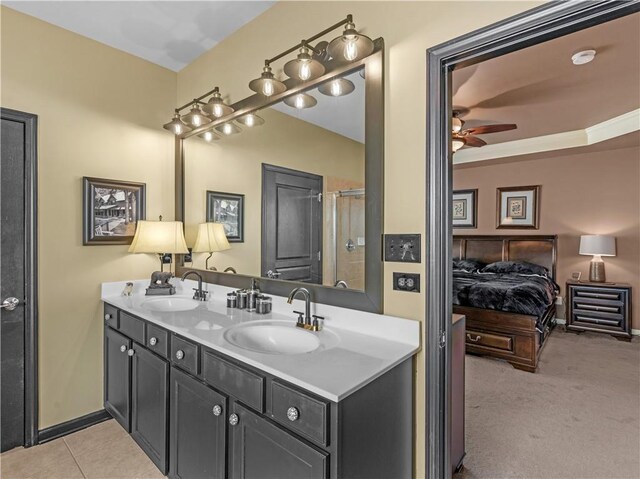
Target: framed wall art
517, 207
228, 209
111, 209
465, 209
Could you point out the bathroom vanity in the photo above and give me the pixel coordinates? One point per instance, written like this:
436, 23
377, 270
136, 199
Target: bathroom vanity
208, 391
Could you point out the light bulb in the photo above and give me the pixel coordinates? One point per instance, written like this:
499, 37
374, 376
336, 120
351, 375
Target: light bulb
208, 136
299, 102
177, 129
305, 71
227, 129
336, 88
351, 49
217, 110
267, 88
197, 121
456, 124
250, 120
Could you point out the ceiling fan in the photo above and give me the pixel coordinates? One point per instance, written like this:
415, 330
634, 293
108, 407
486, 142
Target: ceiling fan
460, 137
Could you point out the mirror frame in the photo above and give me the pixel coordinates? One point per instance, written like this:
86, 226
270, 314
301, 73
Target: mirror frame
371, 299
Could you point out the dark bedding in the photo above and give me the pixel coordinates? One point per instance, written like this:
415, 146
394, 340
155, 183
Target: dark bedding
511, 292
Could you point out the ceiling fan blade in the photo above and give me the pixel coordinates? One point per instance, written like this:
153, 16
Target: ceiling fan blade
473, 141
484, 129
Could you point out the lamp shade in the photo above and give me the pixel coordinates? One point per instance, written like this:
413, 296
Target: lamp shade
159, 237
211, 237
598, 245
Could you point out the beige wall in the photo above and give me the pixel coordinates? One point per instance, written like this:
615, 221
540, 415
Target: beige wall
409, 29
99, 114
589, 193
234, 165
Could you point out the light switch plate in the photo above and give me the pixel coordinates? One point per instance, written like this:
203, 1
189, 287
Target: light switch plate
402, 248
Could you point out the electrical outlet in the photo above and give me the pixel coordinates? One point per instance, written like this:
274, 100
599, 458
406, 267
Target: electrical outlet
402, 248
406, 282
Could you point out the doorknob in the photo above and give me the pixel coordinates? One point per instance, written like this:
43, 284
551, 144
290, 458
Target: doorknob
10, 303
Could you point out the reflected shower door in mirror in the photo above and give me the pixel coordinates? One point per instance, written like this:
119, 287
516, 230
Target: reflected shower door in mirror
299, 167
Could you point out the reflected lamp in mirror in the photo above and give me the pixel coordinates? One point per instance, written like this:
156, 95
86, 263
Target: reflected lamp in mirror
597, 246
159, 237
211, 238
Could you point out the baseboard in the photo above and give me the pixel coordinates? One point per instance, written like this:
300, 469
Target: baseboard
634, 332
73, 425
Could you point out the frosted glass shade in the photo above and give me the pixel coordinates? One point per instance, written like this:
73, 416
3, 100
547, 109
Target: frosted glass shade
159, 237
211, 237
598, 245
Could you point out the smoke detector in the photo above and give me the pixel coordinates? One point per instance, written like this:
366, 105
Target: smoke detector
583, 57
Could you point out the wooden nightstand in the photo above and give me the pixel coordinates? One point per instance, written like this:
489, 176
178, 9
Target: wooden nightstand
599, 307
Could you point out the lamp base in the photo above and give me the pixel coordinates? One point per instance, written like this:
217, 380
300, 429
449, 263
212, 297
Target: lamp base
596, 272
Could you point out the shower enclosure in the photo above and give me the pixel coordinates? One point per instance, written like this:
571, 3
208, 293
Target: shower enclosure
347, 243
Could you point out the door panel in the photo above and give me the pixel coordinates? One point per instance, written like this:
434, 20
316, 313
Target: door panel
117, 377
12, 323
261, 450
150, 404
197, 438
291, 224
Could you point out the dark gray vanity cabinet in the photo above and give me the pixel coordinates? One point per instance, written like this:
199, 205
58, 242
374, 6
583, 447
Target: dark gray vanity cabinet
198, 429
259, 449
117, 377
150, 404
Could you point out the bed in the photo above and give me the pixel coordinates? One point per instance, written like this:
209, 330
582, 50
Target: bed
510, 304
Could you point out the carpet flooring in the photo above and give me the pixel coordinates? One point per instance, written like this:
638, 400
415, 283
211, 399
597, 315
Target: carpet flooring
577, 417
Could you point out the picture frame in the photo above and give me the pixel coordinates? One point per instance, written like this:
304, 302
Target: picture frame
465, 208
228, 209
111, 210
518, 207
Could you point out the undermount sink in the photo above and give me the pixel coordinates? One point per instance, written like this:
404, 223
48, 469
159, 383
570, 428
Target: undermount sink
273, 338
170, 304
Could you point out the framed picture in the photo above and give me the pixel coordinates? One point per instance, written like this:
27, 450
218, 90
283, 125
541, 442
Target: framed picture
111, 209
228, 209
518, 207
465, 209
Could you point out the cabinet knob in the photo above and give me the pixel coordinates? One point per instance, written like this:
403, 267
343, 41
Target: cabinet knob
131, 352
123, 348
107, 317
234, 419
179, 354
153, 341
293, 414
472, 339
217, 410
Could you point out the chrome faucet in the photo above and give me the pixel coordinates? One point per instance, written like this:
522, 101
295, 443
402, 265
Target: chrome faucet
341, 283
305, 322
200, 294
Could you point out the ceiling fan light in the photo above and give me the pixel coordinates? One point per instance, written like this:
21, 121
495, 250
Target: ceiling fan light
350, 46
196, 118
456, 124
176, 125
304, 67
457, 143
267, 84
337, 87
216, 107
301, 101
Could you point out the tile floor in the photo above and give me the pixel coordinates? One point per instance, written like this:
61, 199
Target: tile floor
103, 451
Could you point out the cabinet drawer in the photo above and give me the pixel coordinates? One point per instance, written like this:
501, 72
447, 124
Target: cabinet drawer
111, 316
132, 327
590, 319
185, 354
493, 341
599, 293
299, 412
241, 383
157, 340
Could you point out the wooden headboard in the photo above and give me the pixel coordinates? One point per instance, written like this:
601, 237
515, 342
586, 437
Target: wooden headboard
536, 249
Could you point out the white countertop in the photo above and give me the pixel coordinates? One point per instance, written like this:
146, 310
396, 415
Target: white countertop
355, 346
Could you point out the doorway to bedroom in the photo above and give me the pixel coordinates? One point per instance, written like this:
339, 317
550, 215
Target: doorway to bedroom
546, 148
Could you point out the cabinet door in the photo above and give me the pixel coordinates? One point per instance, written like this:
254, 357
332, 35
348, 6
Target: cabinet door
261, 450
117, 376
198, 435
150, 404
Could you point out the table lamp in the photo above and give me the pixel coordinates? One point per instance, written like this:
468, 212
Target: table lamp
211, 238
598, 246
159, 237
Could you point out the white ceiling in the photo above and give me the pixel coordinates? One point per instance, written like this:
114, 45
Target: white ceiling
169, 33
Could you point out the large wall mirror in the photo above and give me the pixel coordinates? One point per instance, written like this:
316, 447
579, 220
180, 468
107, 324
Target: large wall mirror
294, 194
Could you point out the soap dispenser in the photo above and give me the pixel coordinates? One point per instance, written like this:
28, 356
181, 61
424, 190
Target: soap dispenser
252, 295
